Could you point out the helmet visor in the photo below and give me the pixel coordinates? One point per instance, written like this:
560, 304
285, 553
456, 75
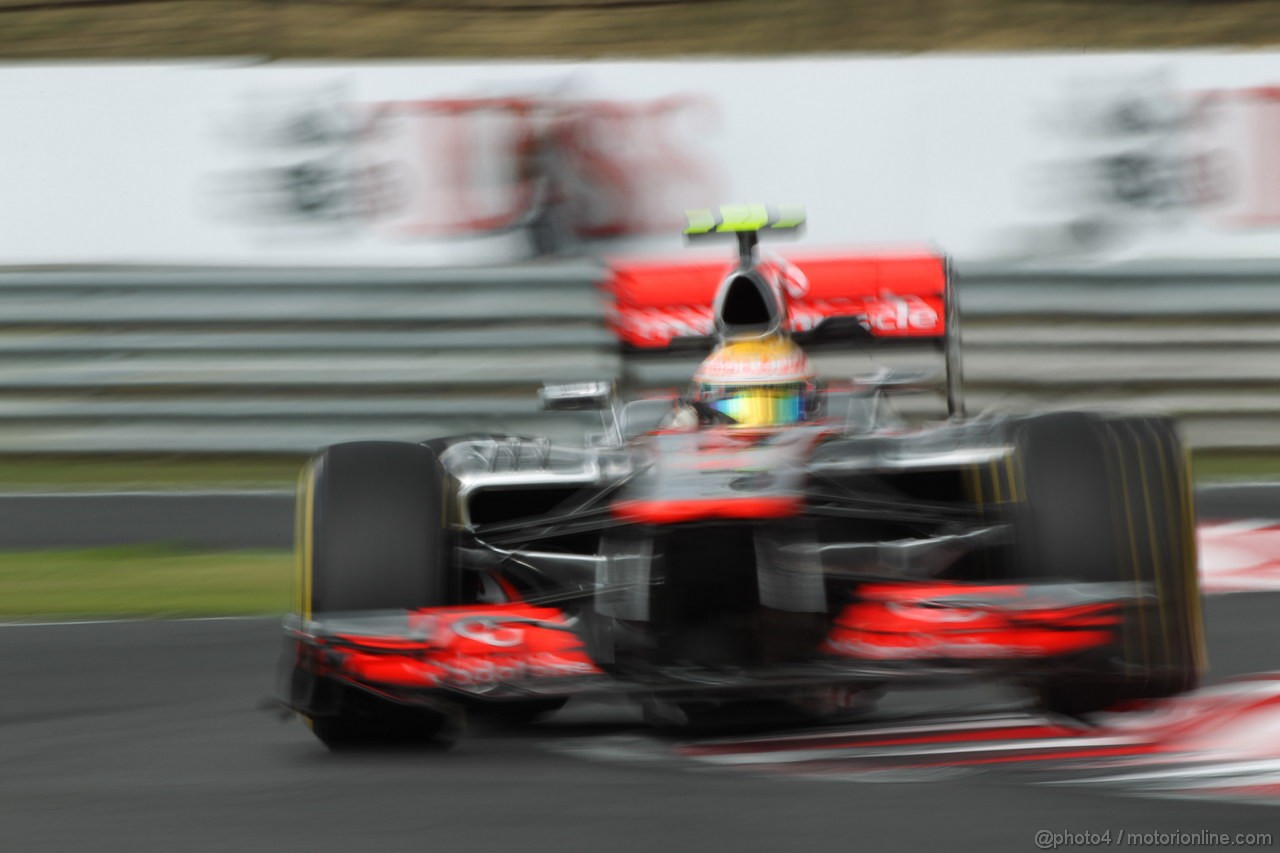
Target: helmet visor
758, 405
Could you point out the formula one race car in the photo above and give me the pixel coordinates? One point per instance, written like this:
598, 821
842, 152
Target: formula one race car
763, 539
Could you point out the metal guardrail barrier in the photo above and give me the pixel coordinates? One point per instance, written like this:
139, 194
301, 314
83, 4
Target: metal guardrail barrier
1198, 339
284, 361
233, 360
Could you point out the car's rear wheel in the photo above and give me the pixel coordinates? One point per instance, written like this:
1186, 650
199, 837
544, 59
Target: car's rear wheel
1108, 499
370, 537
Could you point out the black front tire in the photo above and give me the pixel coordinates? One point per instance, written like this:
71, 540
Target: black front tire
366, 722
370, 537
1108, 499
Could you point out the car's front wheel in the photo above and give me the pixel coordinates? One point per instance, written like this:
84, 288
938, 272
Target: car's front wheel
370, 538
1108, 499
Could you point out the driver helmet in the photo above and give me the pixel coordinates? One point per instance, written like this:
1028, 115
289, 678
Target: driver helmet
758, 382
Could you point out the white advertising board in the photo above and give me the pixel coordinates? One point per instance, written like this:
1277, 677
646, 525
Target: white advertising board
1048, 157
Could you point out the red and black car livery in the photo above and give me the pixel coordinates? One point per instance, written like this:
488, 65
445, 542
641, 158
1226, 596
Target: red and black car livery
699, 568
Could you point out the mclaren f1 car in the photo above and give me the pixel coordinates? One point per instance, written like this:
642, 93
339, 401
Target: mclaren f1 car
766, 537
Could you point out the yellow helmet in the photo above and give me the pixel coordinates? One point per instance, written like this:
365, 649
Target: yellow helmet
758, 382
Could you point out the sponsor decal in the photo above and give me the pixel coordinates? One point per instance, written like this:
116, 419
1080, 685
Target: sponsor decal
464, 671
890, 316
1146, 158
316, 161
733, 368
467, 647
489, 630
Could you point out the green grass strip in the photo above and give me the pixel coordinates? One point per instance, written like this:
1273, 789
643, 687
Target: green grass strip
1250, 467
147, 473
143, 581
177, 473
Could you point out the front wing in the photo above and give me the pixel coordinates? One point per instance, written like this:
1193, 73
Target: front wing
506, 652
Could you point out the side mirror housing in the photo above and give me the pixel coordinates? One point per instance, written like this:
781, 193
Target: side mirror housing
577, 397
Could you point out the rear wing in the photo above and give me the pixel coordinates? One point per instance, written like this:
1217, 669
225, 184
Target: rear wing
835, 300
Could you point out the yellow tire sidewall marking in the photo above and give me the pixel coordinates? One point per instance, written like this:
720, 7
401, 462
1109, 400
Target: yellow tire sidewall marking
304, 533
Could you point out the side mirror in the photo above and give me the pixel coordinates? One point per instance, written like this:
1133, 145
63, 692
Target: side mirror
577, 397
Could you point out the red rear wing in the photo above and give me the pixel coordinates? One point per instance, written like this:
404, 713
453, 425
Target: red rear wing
837, 298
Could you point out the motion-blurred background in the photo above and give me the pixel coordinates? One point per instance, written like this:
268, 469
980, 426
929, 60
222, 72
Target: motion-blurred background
234, 231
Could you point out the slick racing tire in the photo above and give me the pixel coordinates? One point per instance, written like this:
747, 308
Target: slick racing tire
372, 525
370, 537
1108, 499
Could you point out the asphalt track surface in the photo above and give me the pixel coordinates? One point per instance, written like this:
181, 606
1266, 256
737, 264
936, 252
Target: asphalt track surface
159, 736
205, 519
152, 736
